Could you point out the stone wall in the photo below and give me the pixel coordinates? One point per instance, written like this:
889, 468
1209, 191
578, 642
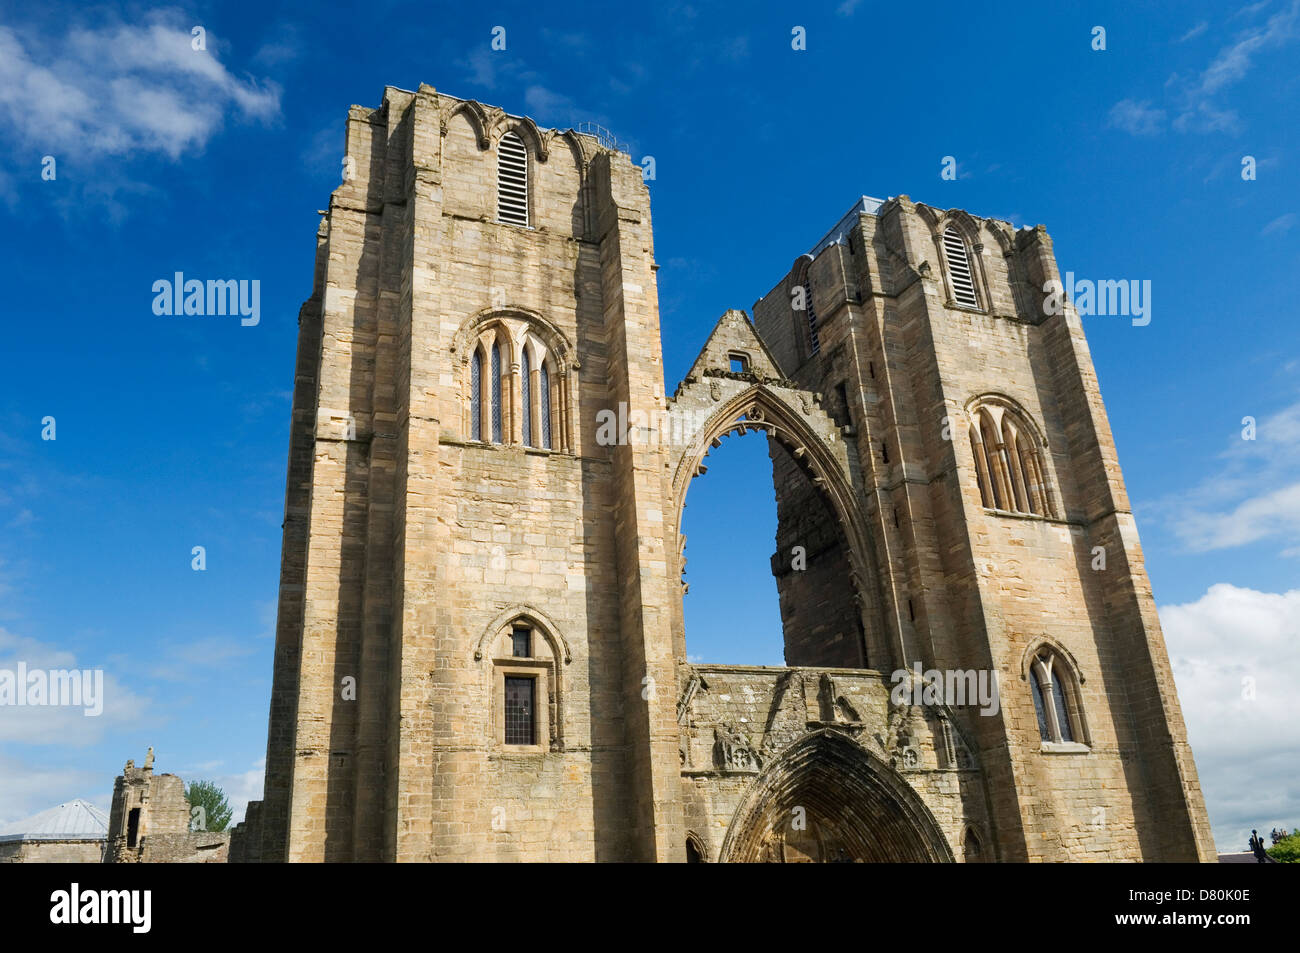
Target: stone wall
45, 851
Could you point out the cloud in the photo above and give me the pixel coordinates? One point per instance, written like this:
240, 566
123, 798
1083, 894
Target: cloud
1234, 61
30, 789
1137, 118
847, 8
184, 662
62, 725
547, 106
122, 89
1195, 99
241, 788
1229, 67
1252, 495
1235, 655
1280, 225
1194, 32
1270, 514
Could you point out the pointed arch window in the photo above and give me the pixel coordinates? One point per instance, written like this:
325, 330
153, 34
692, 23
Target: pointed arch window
512, 180
959, 269
544, 385
1057, 705
814, 342
526, 394
476, 396
1009, 467
495, 387
516, 386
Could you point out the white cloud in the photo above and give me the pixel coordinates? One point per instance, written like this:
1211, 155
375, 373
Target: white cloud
62, 725
1253, 495
29, 789
1234, 61
1245, 749
122, 89
546, 105
1194, 98
241, 788
1280, 225
1137, 118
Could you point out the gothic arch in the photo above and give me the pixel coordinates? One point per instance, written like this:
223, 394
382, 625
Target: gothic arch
527, 130
477, 117
860, 805
760, 408
968, 227
997, 399
557, 344
1036, 645
535, 617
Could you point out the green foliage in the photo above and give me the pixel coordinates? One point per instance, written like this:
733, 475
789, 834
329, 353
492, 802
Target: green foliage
216, 811
1287, 850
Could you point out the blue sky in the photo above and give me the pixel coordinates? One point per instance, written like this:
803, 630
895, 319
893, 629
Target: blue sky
172, 433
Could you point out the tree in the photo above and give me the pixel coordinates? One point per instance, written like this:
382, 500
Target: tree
209, 810
1287, 850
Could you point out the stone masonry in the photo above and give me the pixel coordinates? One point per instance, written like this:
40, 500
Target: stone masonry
480, 650
149, 822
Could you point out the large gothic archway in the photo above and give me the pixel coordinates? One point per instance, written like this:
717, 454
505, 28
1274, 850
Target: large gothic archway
809, 443
827, 799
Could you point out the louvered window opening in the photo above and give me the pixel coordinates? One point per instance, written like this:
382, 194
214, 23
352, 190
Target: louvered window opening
963, 287
512, 180
814, 343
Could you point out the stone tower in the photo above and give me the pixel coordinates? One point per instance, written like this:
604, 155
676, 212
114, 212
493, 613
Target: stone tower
480, 650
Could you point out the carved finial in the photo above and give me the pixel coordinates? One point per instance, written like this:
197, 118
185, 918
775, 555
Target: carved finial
148, 760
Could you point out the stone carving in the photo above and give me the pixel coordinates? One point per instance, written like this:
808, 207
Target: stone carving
732, 750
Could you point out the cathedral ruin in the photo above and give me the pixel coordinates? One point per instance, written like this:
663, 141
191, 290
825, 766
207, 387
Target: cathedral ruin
480, 650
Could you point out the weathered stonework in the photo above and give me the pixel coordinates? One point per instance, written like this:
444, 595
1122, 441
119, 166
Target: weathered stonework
149, 822
426, 523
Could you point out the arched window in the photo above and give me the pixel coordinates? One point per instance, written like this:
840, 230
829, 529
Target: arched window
525, 657
516, 384
526, 403
495, 385
814, 343
1008, 461
476, 396
959, 270
512, 180
972, 849
694, 853
1056, 698
544, 385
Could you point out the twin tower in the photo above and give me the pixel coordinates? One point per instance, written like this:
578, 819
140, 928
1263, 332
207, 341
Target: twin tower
480, 652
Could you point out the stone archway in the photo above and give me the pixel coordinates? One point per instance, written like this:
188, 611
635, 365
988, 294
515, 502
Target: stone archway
794, 420
827, 799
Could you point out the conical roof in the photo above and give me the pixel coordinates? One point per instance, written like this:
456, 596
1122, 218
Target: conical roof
75, 820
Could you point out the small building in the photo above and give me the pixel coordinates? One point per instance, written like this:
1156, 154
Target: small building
71, 833
150, 822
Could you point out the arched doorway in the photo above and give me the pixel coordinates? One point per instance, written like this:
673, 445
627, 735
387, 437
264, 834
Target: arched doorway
829, 800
